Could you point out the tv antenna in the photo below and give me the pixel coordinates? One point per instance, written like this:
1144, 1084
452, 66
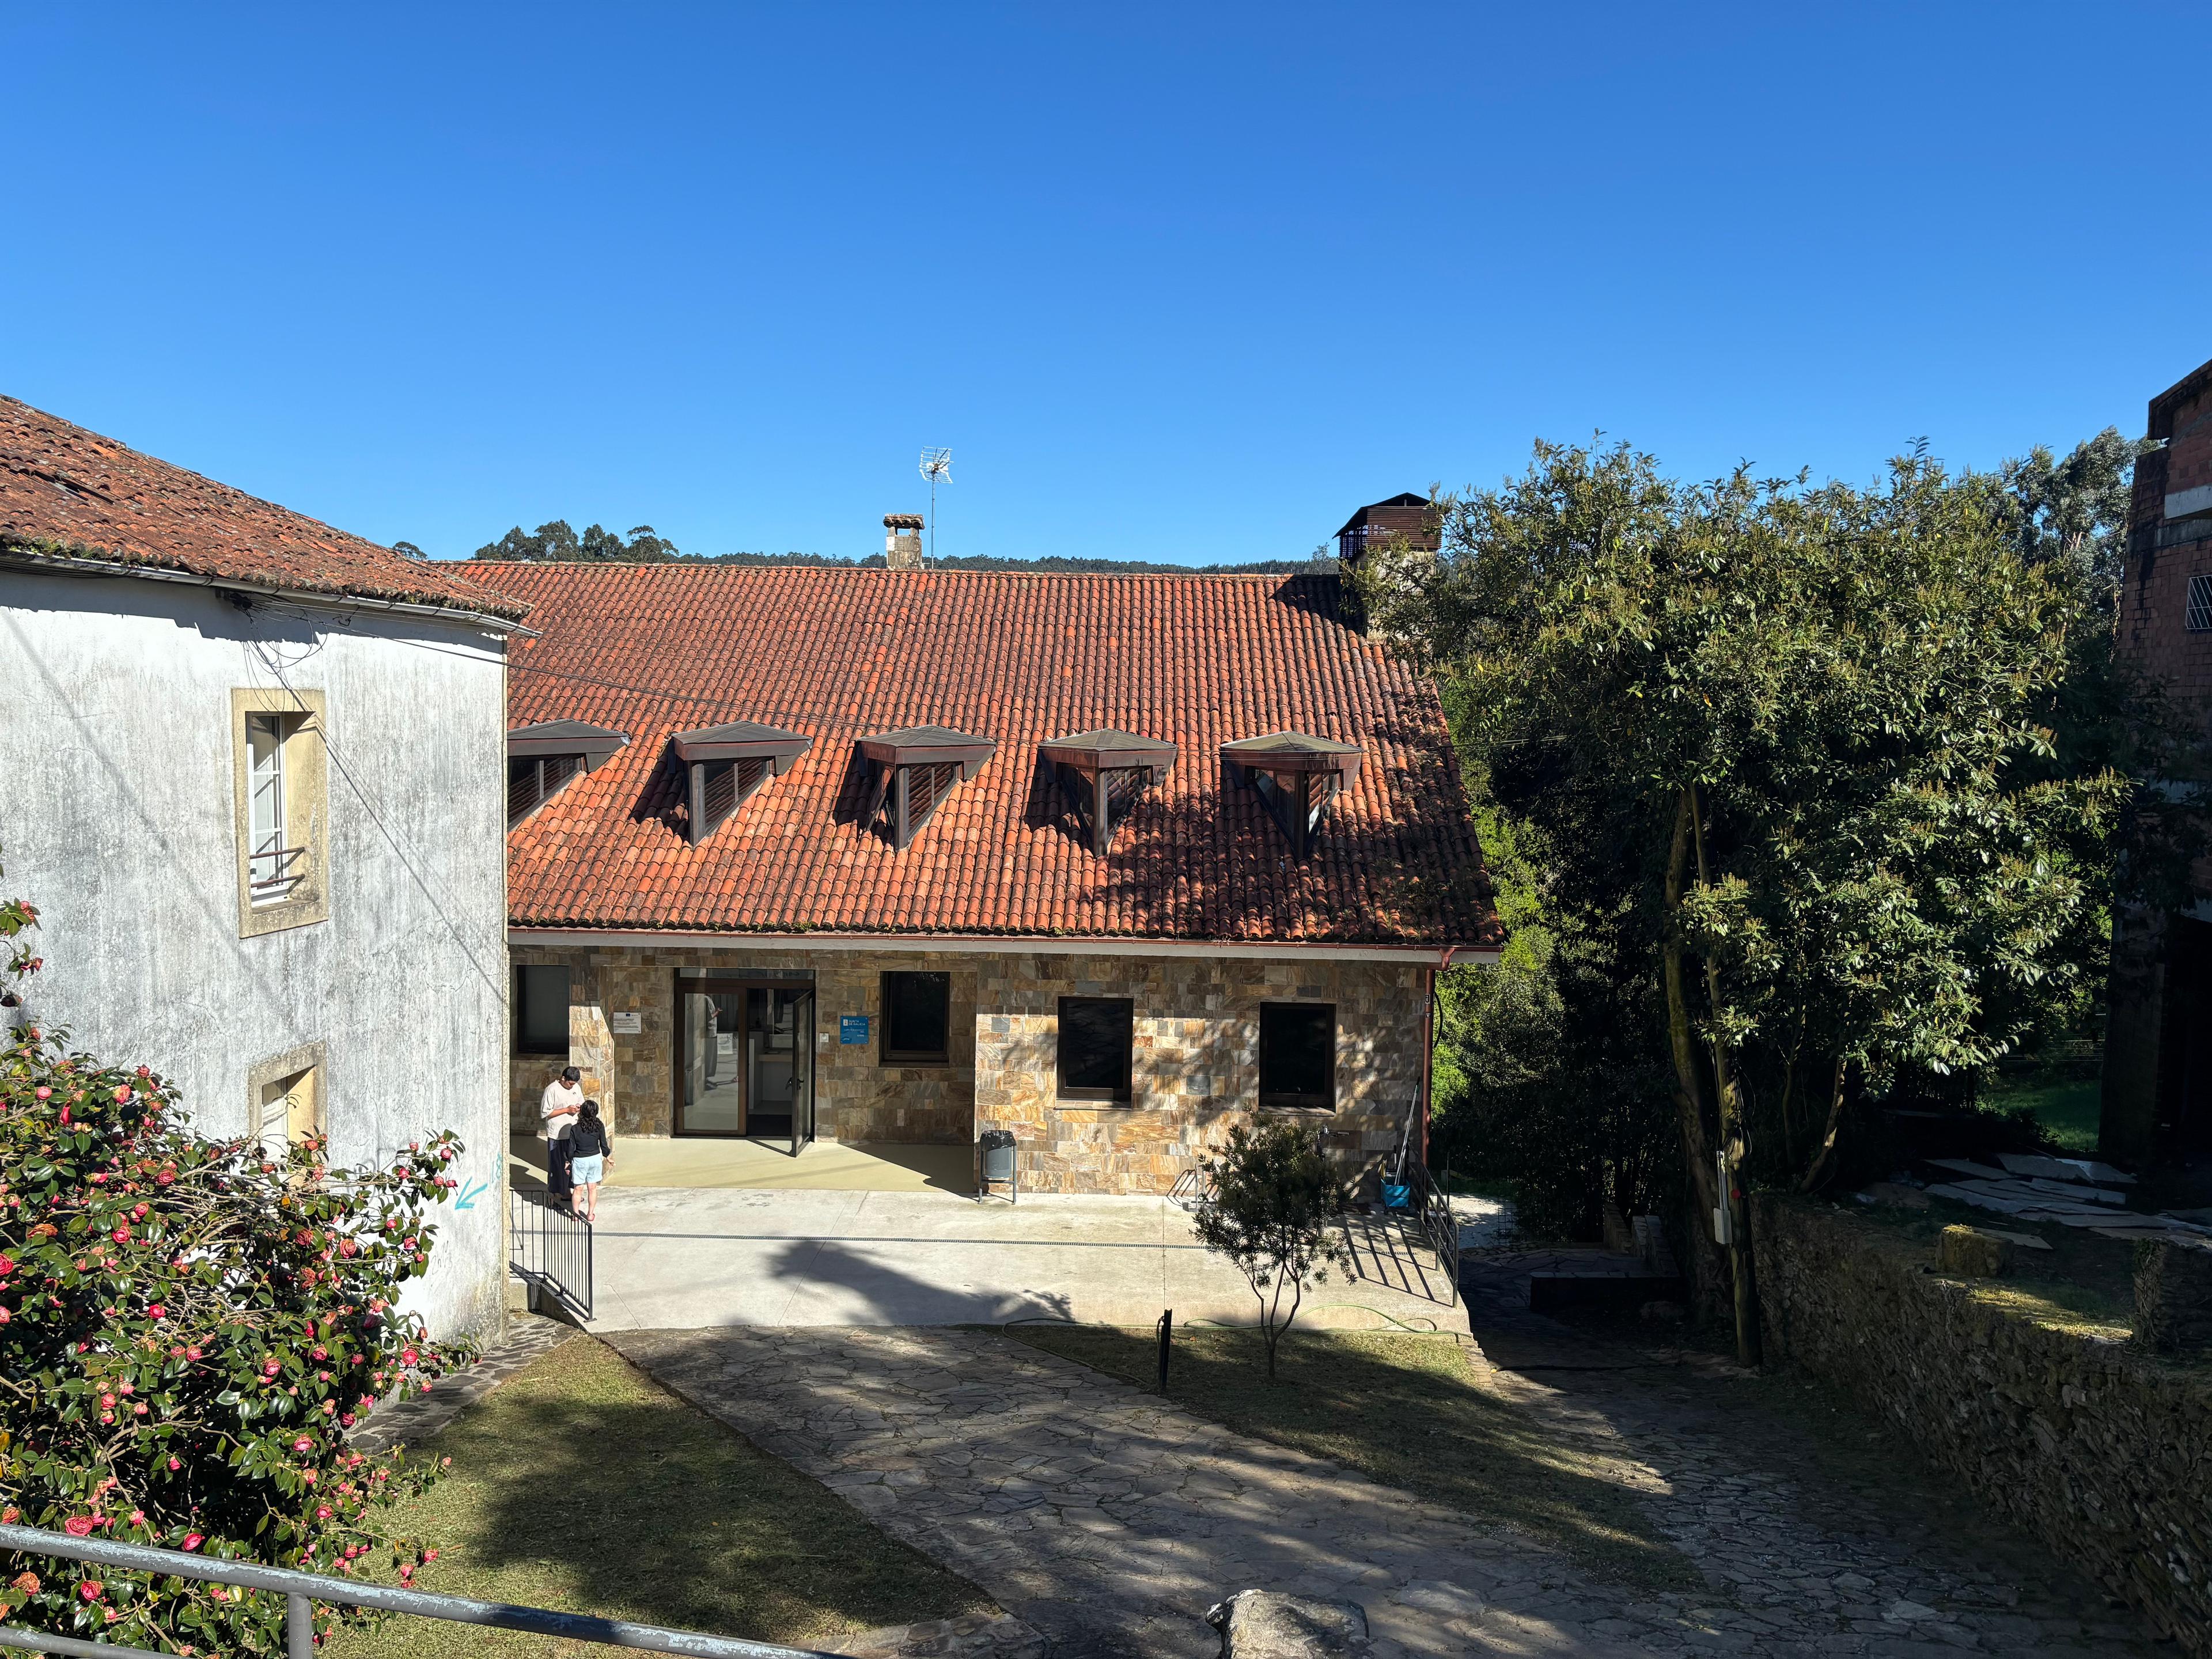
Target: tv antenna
935, 464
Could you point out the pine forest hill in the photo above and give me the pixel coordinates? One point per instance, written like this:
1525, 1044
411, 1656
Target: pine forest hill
557, 543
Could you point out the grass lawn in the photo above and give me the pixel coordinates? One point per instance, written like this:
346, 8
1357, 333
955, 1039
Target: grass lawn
2071, 1107
581, 1485
1407, 1410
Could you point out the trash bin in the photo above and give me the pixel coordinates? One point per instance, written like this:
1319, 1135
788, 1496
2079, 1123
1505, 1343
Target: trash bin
999, 1163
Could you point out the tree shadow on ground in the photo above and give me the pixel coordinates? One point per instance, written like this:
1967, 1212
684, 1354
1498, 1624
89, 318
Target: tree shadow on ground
582, 1485
1405, 1411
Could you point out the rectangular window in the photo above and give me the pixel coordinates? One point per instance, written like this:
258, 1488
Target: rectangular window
2198, 617
274, 866
541, 1003
291, 1110
1095, 1036
917, 1019
1298, 1054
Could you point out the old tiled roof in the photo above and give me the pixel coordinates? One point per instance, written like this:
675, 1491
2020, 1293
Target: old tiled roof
843, 654
69, 492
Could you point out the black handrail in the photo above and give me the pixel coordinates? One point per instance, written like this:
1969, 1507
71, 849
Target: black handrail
1432, 1209
303, 1589
549, 1246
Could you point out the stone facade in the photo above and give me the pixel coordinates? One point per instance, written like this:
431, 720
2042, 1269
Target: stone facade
2102, 1450
1194, 1071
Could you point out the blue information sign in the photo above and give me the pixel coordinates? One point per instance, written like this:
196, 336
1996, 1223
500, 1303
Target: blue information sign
852, 1028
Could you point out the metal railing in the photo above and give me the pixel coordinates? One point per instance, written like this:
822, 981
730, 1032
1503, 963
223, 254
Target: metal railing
301, 1590
274, 872
1431, 1203
550, 1246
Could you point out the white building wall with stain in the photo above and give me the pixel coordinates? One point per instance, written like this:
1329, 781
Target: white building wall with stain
119, 821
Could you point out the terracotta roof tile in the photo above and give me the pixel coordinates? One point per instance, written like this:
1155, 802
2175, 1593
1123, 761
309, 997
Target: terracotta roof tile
69, 492
840, 654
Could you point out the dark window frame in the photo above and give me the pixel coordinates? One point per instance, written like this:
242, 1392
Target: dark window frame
524, 1043
1287, 1100
2197, 606
887, 1056
1120, 1093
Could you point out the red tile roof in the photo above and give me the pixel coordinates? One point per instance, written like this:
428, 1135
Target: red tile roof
72, 493
842, 653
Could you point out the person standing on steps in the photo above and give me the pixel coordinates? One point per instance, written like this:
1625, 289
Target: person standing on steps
592, 1149
563, 1100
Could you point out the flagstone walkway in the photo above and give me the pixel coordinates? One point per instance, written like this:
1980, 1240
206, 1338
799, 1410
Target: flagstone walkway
1110, 1520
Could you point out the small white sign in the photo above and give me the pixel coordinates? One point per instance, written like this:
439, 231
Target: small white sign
630, 1024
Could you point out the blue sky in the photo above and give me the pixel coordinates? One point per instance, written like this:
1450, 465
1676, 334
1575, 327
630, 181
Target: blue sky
1175, 283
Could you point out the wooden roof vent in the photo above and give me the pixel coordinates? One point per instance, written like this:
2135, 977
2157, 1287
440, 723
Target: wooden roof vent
1102, 774
1297, 777
911, 770
542, 759
728, 764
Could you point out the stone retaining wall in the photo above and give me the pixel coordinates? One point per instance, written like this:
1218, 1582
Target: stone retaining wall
2103, 1450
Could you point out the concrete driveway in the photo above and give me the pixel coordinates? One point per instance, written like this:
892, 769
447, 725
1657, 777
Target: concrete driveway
685, 1258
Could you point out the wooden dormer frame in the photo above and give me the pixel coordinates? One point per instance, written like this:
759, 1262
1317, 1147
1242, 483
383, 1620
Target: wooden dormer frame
560, 751
1295, 776
727, 765
910, 773
1100, 775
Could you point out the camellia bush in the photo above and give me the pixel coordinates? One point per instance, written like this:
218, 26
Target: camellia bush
188, 1328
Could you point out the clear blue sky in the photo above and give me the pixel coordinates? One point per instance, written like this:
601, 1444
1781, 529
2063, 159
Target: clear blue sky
1186, 281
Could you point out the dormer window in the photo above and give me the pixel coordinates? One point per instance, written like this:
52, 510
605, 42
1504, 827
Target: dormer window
543, 759
913, 769
1296, 775
1101, 774
727, 765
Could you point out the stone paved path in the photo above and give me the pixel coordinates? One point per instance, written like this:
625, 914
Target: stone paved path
1111, 1521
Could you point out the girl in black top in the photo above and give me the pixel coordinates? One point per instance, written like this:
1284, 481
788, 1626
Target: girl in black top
590, 1149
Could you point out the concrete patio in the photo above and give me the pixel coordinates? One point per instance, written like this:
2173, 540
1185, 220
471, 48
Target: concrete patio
688, 1257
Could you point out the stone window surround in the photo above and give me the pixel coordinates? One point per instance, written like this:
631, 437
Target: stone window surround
307, 1057
307, 805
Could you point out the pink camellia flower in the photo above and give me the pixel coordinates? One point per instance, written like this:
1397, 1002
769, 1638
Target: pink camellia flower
303, 1445
123, 1094
158, 1311
430, 1555
90, 1589
270, 1369
192, 1541
43, 1093
174, 1465
307, 1477
6, 1264
137, 1517
192, 1353
322, 1511
121, 1235
78, 1526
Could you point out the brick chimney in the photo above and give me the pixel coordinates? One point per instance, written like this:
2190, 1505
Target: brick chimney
903, 540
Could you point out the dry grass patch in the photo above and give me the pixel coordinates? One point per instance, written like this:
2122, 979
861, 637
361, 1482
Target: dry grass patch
580, 1484
1409, 1412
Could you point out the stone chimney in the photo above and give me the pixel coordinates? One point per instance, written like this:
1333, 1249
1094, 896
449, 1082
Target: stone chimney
903, 540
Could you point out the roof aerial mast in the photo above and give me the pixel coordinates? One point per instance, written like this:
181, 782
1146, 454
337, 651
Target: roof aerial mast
935, 464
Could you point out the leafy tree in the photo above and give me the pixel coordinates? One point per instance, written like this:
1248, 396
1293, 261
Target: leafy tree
1790, 750
187, 1329
409, 550
557, 542
1275, 1210
2072, 512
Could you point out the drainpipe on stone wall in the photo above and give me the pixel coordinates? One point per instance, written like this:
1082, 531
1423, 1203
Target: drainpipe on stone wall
1428, 1052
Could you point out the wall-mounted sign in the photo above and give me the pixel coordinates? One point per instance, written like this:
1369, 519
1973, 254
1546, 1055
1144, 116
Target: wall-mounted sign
852, 1028
629, 1025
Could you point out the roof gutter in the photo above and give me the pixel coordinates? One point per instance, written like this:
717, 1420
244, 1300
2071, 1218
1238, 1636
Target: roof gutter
68, 565
1411, 956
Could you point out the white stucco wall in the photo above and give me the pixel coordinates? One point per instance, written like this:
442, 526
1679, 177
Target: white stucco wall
117, 822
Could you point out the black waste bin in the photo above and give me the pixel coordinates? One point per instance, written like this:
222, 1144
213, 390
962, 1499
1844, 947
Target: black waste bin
998, 1163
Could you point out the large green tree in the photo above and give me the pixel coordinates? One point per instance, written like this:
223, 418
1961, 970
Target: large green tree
1795, 755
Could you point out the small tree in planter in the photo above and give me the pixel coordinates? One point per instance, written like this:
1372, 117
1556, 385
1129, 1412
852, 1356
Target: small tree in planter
187, 1329
1275, 1210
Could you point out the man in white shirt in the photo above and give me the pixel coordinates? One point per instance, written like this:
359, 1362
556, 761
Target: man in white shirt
562, 1100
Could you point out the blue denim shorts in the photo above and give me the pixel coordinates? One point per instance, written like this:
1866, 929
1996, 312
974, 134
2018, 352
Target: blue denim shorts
586, 1170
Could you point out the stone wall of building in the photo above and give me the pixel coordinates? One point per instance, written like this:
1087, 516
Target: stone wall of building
856, 1099
2104, 1450
1194, 1070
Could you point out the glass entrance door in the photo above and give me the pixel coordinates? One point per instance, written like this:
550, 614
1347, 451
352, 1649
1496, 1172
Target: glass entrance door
713, 1062
745, 1059
780, 1095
